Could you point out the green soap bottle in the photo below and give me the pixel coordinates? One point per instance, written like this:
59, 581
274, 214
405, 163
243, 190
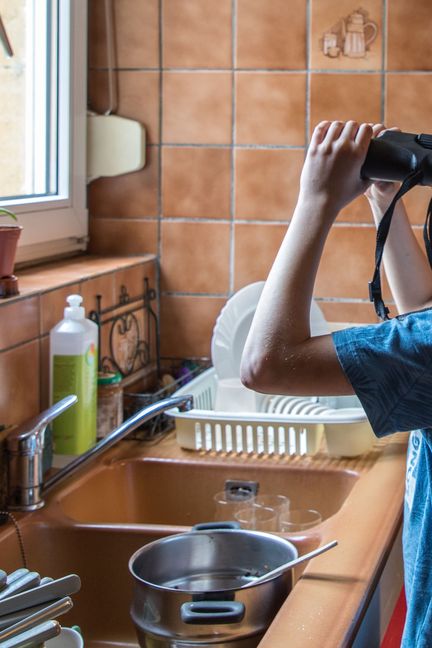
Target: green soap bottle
73, 370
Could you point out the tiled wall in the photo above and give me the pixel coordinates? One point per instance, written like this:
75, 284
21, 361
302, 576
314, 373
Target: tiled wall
229, 92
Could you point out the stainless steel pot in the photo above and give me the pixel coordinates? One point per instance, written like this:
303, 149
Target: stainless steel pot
187, 587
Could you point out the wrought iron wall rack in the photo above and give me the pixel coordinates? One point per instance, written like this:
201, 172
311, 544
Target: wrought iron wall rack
130, 349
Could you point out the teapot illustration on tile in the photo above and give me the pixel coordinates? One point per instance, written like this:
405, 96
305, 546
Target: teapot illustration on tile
354, 34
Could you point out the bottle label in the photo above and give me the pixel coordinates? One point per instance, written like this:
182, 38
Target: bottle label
74, 431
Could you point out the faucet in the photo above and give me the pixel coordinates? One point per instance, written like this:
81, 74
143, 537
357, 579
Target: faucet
25, 445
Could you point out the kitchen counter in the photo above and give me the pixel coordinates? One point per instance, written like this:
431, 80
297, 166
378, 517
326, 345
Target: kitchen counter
331, 596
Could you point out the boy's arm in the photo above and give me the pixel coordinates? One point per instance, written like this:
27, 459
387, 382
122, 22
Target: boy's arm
407, 269
279, 355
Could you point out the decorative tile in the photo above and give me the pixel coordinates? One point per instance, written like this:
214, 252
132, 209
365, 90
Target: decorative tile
196, 182
197, 33
19, 321
132, 195
187, 325
409, 102
279, 105
271, 34
123, 237
197, 107
345, 36
256, 247
344, 97
409, 46
138, 97
136, 27
267, 183
195, 257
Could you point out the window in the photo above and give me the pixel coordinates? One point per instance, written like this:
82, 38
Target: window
43, 123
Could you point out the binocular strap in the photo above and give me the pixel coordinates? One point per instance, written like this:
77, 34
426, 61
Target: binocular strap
375, 295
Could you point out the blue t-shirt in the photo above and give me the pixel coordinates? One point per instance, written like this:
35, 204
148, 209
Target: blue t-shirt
390, 368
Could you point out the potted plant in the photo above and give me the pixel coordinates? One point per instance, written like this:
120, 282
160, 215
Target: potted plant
9, 235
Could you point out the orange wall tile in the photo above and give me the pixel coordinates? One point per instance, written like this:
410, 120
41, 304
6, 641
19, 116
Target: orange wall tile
196, 107
197, 33
278, 101
242, 85
271, 34
207, 244
196, 182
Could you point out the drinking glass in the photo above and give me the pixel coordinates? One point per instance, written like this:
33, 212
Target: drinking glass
279, 503
258, 518
299, 520
226, 506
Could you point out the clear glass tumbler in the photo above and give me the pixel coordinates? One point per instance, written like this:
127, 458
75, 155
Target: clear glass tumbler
299, 520
226, 506
258, 518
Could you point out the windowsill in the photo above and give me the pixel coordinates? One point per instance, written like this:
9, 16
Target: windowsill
49, 276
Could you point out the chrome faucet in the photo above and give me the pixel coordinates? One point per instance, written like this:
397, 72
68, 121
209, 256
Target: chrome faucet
25, 445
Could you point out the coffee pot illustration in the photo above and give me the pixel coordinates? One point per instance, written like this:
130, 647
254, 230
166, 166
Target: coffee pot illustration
354, 35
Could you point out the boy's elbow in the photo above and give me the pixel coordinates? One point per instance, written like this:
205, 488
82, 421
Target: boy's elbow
255, 373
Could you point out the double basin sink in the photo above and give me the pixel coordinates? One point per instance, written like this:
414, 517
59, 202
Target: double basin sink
96, 519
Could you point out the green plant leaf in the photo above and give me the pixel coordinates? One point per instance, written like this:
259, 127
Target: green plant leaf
6, 212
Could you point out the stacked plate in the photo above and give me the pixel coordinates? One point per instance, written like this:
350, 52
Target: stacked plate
233, 324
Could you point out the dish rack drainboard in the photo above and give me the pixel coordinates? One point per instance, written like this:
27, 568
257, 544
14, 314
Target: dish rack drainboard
263, 431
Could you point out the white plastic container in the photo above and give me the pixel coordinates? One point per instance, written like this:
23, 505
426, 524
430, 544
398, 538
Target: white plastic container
73, 370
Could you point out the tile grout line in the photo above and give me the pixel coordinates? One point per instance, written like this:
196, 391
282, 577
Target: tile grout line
159, 198
384, 61
308, 72
233, 139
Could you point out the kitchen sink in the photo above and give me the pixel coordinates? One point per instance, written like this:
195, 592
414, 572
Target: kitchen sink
100, 556
180, 493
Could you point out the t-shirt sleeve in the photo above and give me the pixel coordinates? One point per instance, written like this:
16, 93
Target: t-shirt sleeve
389, 366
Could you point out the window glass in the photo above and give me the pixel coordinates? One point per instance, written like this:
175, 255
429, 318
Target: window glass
28, 112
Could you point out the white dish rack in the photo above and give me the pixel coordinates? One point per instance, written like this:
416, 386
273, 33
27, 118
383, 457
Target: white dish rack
341, 420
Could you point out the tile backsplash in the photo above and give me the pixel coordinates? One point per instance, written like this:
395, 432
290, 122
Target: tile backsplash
229, 93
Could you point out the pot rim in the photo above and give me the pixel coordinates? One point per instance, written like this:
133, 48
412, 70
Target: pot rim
10, 227
260, 534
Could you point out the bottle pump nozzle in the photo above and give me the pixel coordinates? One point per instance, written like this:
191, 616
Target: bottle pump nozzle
74, 310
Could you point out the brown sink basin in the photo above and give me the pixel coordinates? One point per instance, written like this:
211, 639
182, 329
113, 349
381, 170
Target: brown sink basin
100, 556
156, 491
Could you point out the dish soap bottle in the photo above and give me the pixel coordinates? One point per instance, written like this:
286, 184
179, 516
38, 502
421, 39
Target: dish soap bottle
73, 370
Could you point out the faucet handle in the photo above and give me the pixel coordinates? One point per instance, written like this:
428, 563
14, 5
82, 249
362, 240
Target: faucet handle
28, 436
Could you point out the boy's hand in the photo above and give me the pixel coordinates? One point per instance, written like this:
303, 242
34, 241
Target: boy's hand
381, 193
331, 172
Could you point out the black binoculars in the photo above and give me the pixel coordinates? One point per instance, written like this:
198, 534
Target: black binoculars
394, 155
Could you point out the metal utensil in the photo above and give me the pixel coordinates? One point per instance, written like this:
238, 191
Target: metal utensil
29, 620
34, 636
24, 582
289, 565
42, 594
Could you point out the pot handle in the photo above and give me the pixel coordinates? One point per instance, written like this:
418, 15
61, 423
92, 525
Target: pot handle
214, 526
209, 612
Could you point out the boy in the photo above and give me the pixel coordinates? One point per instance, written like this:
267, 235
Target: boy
388, 365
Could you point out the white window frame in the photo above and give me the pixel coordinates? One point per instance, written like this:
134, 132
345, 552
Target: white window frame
58, 225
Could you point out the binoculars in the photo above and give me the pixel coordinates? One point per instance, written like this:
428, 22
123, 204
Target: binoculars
394, 155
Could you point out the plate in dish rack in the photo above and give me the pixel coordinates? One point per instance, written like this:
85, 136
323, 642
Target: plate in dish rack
233, 324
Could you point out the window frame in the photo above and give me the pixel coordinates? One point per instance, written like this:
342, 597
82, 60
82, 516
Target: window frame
58, 225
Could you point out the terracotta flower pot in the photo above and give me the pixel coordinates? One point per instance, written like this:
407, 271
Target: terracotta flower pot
9, 235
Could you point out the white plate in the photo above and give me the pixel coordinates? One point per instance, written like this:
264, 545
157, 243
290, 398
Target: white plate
233, 324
